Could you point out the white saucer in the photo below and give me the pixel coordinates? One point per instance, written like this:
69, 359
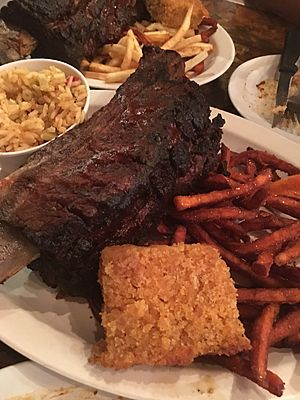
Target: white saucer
243, 91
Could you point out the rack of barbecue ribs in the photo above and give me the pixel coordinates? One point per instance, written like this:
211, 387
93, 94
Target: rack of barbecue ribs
111, 179
70, 30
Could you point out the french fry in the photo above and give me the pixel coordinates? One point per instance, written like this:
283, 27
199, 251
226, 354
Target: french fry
289, 272
98, 67
288, 255
190, 64
185, 202
115, 62
118, 77
84, 65
141, 27
188, 42
181, 31
180, 234
277, 238
190, 52
94, 75
158, 37
241, 366
286, 326
284, 204
265, 296
123, 41
260, 338
128, 54
136, 43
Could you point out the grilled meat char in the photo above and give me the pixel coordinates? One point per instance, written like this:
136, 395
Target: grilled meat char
111, 179
70, 30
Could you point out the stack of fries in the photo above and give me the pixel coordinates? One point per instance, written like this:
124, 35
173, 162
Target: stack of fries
116, 62
251, 216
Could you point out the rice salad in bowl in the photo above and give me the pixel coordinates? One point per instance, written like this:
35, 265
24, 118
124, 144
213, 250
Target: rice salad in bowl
40, 99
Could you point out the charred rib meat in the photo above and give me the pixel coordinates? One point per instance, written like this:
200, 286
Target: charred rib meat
112, 178
70, 30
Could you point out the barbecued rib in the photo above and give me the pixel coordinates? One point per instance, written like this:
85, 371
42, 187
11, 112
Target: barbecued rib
111, 179
70, 30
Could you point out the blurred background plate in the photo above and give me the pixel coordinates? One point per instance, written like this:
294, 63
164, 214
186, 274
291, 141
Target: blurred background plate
243, 91
215, 65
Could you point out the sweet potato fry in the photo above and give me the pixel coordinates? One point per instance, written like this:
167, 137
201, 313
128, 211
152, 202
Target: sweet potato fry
140, 36
251, 168
184, 202
263, 263
285, 205
211, 214
264, 296
219, 181
179, 235
266, 159
163, 229
266, 221
225, 157
267, 242
249, 311
288, 255
286, 326
234, 228
292, 183
256, 201
260, 337
237, 265
293, 340
287, 272
241, 366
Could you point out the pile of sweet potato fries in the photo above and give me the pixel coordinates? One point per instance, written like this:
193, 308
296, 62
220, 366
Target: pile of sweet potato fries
251, 215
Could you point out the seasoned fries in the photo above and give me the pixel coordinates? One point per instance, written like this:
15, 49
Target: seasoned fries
116, 61
251, 216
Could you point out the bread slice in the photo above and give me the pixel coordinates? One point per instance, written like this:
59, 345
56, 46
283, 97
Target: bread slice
166, 305
171, 12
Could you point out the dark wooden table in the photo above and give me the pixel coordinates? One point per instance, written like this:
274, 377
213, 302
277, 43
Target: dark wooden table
254, 34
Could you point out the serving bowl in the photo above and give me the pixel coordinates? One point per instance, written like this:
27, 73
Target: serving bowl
10, 161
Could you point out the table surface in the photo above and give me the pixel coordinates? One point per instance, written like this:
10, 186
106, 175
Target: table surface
255, 34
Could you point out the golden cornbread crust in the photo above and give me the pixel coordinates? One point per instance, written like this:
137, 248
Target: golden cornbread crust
172, 12
166, 305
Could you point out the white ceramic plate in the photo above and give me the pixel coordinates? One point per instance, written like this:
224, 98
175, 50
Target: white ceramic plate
243, 91
28, 377
58, 334
215, 65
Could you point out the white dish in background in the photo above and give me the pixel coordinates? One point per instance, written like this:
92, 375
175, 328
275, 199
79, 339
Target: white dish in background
244, 94
59, 334
10, 161
216, 64
27, 377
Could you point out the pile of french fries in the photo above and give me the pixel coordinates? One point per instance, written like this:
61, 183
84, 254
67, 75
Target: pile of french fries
251, 215
116, 62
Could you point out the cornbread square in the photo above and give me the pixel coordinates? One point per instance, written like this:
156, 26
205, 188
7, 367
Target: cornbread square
166, 305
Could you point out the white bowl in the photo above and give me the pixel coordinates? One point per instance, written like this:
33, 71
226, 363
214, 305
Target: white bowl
10, 161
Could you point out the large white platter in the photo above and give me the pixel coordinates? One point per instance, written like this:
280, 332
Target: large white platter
215, 65
28, 377
243, 91
58, 334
